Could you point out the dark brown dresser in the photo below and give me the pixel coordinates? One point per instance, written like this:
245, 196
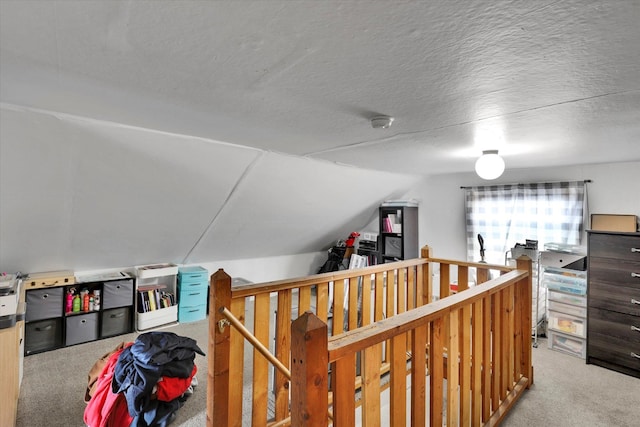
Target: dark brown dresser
613, 301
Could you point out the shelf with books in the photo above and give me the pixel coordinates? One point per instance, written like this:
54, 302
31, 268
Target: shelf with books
155, 296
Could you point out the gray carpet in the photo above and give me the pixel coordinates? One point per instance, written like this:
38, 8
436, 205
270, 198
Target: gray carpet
54, 382
567, 392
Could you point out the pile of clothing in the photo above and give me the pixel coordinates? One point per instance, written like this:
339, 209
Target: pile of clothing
143, 383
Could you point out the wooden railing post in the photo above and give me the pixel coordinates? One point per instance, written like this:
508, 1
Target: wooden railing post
525, 263
219, 351
427, 277
309, 361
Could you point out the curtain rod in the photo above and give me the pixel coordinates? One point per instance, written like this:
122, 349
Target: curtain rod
519, 183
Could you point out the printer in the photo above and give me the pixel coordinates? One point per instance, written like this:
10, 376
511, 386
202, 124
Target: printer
9, 297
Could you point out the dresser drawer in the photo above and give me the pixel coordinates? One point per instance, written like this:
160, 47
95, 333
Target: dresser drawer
612, 297
626, 273
192, 286
189, 297
617, 246
616, 325
614, 351
192, 313
193, 275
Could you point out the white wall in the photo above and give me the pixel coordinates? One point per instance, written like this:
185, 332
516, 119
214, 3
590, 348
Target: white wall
614, 190
83, 194
442, 225
90, 195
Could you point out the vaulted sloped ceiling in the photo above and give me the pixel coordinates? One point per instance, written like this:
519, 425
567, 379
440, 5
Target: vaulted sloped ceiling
305, 77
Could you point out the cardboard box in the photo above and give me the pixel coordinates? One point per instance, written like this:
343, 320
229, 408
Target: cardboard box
49, 279
610, 222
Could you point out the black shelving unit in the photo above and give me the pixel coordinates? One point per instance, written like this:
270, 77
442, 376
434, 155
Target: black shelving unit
50, 325
398, 233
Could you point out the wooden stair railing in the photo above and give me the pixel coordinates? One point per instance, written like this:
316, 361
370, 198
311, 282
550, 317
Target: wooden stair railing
395, 288
496, 377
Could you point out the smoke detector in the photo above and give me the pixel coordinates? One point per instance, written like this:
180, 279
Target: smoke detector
381, 122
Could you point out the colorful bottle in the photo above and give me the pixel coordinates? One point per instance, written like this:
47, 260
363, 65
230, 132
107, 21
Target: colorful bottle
96, 300
76, 303
69, 304
85, 301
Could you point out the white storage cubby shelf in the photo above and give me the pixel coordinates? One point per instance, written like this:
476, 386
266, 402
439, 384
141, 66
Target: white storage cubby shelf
156, 296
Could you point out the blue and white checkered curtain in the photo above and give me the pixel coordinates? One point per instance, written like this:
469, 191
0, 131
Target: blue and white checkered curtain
508, 214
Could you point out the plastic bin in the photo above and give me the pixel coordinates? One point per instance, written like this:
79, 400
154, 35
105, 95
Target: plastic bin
567, 309
567, 323
567, 344
565, 298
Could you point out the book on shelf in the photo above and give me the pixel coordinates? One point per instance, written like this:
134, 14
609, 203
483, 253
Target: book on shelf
151, 298
357, 261
388, 225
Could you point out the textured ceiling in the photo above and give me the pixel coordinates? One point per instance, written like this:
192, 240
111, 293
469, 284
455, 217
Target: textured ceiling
545, 82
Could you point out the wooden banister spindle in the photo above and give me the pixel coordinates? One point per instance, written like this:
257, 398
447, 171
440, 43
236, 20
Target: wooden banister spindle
427, 281
445, 280
436, 371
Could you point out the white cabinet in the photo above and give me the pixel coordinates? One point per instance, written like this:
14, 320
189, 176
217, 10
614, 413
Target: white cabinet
156, 295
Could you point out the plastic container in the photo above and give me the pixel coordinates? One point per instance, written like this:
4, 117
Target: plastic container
565, 298
570, 281
567, 309
567, 323
567, 344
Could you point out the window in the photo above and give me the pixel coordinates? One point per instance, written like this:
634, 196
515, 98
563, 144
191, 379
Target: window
508, 214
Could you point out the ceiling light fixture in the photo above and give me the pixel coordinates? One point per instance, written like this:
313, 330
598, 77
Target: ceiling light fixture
381, 122
490, 165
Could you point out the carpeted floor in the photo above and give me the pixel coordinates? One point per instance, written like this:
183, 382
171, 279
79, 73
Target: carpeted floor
54, 382
566, 393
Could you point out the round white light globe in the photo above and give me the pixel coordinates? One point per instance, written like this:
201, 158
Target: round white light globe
490, 165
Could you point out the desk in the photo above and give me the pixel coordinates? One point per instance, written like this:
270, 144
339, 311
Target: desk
11, 358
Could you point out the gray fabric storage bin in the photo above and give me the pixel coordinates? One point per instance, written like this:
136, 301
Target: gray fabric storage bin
116, 321
42, 335
118, 293
44, 303
81, 328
